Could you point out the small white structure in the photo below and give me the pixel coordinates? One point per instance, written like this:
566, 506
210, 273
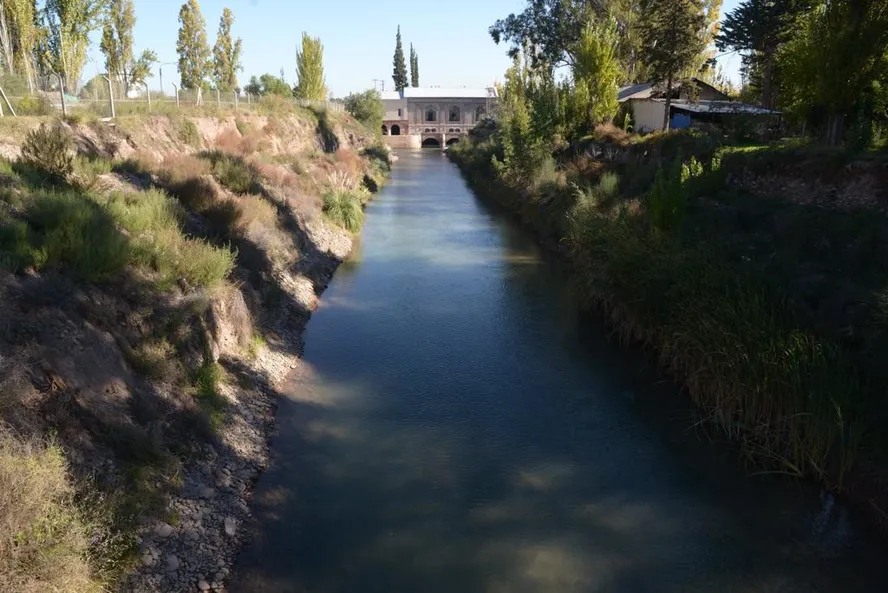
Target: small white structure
709, 106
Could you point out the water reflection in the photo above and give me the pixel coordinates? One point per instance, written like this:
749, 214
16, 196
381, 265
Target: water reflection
460, 426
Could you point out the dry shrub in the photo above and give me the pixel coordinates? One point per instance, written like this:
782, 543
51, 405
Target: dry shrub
256, 212
178, 168
43, 540
229, 140
198, 194
276, 174
610, 133
347, 161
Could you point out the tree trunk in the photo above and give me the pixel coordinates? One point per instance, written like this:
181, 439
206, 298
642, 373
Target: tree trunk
768, 80
835, 129
5, 41
668, 102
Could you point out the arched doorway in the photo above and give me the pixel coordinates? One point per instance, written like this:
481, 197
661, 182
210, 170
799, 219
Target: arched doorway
385, 130
396, 130
452, 141
431, 143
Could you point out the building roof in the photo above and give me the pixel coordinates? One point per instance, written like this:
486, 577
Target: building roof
390, 95
645, 90
635, 91
722, 107
448, 93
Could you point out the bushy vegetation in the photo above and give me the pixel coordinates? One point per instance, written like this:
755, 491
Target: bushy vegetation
189, 134
34, 105
367, 108
234, 173
49, 149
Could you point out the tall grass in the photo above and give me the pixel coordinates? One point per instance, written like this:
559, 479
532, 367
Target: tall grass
44, 541
344, 208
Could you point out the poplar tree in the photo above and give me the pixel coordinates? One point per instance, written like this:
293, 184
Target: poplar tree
117, 45
310, 70
192, 47
399, 72
414, 67
672, 33
67, 25
226, 54
21, 19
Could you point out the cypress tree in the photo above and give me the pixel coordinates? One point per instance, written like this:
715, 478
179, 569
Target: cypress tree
414, 67
399, 72
672, 35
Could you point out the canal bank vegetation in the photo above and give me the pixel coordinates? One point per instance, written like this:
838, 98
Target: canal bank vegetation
146, 275
752, 267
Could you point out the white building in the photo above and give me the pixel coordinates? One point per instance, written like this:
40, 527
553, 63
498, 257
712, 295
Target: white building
433, 116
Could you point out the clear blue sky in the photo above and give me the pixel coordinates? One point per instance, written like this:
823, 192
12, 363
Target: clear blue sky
359, 38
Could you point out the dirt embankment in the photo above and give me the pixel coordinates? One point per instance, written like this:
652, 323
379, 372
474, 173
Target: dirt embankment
152, 351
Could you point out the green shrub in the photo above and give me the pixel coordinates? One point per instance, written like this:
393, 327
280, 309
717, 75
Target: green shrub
243, 127
189, 134
74, 235
235, 174
206, 383
367, 108
34, 105
668, 200
344, 208
48, 149
16, 251
88, 170
152, 218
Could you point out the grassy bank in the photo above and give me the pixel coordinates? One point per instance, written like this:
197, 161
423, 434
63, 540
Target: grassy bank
750, 272
138, 263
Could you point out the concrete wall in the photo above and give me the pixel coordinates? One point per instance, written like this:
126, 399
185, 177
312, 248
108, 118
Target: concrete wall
648, 115
411, 141
392, 107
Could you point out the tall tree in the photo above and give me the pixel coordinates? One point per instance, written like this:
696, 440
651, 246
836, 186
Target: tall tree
21, 18
399, 71
836, 59
310, 69
68, 24
414, 67
226, 54
117, 45
758, 28
673, 37
596, 74
192, 47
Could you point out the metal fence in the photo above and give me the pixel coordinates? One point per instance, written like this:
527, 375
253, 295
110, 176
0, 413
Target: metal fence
99, 101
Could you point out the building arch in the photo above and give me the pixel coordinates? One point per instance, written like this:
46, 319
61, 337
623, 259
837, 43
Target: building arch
451, 141
480, 112
431, 114
454, 114
385, 130
396, 130
431, 143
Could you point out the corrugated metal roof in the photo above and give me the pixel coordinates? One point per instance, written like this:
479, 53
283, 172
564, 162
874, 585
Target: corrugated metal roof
448, 93
722, 107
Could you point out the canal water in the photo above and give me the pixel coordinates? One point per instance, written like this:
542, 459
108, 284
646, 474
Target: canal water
461, 427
